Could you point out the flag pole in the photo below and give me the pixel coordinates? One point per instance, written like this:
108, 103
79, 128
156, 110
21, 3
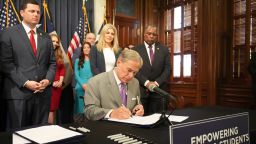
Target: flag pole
7, 15
114, 16
85, 15
44, 5
46, 9
105, 15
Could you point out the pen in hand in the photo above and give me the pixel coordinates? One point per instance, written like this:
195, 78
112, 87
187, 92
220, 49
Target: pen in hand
126, 110
134, 112
138, 100
138, 110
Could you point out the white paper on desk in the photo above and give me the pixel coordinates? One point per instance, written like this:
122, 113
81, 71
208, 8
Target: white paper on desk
149, 120
140, 120
19, 140
175, 118
50, 133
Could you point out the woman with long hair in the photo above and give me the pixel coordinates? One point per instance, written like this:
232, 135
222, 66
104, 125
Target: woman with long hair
105, 54
82, 74
58, 80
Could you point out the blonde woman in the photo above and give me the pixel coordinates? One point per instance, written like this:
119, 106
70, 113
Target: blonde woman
103, 57
58, 80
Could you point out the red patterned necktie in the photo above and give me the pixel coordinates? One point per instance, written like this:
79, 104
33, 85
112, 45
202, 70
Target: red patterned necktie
151, 53
123, 94
32, 41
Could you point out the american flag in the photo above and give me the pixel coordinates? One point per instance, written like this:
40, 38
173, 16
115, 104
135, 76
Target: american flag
13, 17
45, 22
78, 37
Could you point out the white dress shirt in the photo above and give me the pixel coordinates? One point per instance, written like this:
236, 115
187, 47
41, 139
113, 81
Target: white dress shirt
27, 29
110, 58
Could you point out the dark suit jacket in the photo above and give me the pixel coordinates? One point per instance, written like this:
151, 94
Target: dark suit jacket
19, 63
160, 70
1, 82
76, 54
102, 95
97, 60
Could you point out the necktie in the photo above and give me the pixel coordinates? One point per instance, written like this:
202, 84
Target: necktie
151, 53
123, 93
32, 41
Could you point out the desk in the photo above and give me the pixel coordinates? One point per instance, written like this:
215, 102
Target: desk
160, 135
101, 129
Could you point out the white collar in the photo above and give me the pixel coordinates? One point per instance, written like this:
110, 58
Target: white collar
146, 44
27, 28
116, 77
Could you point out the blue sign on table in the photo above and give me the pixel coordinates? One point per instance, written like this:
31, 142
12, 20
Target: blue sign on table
229, 129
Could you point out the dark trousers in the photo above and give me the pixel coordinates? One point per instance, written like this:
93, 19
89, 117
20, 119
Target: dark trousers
2, 114
2, 107
27, 112
153, 102
66, 109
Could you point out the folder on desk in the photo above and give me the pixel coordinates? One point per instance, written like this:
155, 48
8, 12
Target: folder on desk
49, 134
148, 120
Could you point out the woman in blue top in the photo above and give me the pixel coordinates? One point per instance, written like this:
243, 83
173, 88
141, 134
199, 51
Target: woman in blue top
82, 74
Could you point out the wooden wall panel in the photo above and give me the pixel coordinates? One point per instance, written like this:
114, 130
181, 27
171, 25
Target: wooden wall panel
126, 30
129, 27
213, 85
188, 91
232, 91
236, 96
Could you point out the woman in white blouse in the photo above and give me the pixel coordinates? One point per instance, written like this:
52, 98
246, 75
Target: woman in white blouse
103, 56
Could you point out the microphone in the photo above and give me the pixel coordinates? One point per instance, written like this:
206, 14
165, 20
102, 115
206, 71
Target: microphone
164, 119
154, 88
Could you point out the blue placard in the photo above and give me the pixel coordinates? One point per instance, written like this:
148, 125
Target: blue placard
229, 129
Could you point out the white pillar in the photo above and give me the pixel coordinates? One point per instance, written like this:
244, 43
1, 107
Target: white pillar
99, 12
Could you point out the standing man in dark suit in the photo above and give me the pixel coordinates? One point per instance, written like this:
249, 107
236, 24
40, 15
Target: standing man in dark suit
154, 72
28, 63
2, 105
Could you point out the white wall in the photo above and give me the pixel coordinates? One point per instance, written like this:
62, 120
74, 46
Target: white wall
99, 11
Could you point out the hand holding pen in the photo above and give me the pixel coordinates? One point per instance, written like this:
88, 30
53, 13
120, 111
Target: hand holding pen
138, 110
121, 113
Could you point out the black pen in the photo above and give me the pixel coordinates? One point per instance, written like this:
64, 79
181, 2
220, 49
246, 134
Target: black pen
135, 111
138, 102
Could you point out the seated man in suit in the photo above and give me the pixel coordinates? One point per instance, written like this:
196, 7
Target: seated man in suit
115, 94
